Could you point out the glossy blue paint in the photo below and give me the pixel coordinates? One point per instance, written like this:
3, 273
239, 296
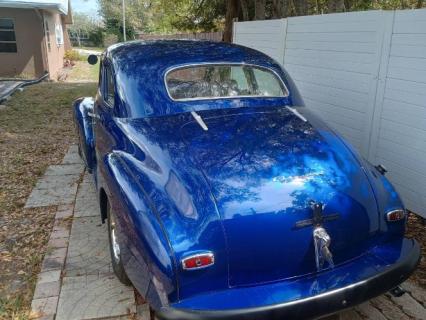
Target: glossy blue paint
359, 270
140, 72
83, 122
267, 185
236, 190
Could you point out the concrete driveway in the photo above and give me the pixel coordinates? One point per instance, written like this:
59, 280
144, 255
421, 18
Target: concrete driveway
86, 52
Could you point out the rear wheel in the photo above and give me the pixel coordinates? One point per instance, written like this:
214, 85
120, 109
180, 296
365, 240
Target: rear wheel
79, 149
114, 247
152, 314
117, 263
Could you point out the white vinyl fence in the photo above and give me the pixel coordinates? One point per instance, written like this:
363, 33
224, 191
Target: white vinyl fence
364, 73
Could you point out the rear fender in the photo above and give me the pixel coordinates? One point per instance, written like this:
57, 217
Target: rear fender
83, 122
147, 255
387, 200
386, 197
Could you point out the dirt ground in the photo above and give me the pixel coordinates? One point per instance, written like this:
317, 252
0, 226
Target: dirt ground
416, 228
36, 129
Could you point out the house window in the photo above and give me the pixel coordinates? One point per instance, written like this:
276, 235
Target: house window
59, 33
7, 35
47, 35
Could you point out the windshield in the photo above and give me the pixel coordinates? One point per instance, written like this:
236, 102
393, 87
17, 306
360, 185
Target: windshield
223, 81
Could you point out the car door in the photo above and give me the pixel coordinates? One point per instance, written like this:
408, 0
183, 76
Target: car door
104, 116
106, 133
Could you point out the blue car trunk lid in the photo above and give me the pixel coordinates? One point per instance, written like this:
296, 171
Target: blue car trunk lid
265, 169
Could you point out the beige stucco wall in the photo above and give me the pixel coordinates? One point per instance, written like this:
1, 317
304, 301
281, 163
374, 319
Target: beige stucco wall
33, 57
28, 61
67, 40
55, 56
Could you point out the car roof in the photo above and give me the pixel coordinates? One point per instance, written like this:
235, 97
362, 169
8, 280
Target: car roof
168, 53
140, 68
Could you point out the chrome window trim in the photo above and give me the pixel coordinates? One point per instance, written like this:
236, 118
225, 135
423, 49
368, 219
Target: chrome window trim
108, 69
202, 64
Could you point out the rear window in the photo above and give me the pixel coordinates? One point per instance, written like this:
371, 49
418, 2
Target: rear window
223, 81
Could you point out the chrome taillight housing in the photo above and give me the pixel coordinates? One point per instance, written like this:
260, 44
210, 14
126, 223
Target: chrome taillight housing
198, 261
395, 215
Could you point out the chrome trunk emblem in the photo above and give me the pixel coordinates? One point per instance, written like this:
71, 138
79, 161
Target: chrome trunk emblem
322, 252
322, 239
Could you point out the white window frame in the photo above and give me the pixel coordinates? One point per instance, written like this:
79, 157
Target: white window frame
47, 34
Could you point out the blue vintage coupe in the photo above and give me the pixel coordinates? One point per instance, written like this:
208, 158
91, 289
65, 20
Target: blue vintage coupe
225, 197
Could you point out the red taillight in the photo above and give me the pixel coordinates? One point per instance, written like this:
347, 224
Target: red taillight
395, 215
198, 261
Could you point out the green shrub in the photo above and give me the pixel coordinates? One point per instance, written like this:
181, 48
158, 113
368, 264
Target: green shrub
96, 36
110, 39
73, 55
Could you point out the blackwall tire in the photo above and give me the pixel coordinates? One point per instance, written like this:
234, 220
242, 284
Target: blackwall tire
152, 314
79, 149
117, 263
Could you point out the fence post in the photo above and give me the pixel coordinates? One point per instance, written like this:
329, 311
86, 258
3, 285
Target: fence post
234, 29
387, 18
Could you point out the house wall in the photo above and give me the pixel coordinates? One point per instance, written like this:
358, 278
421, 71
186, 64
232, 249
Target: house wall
364, 73
67, 41
28, 61
55, 55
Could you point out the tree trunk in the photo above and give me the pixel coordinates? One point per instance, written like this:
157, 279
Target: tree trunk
276, 9
419, 4
231, 13
336, 5
259, 9
285, 6
318, 8
301, 7
245, 10
348, 4
279, 8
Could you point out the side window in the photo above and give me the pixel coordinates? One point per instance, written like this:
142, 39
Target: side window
47, 34
7, 35
109, 86
100, 77
267, 83
238, 75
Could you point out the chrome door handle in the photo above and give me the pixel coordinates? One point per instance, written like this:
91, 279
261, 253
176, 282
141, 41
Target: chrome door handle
93, 115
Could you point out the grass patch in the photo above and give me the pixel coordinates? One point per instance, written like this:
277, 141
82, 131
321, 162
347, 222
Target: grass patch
91, 48
82, 71
36, 129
